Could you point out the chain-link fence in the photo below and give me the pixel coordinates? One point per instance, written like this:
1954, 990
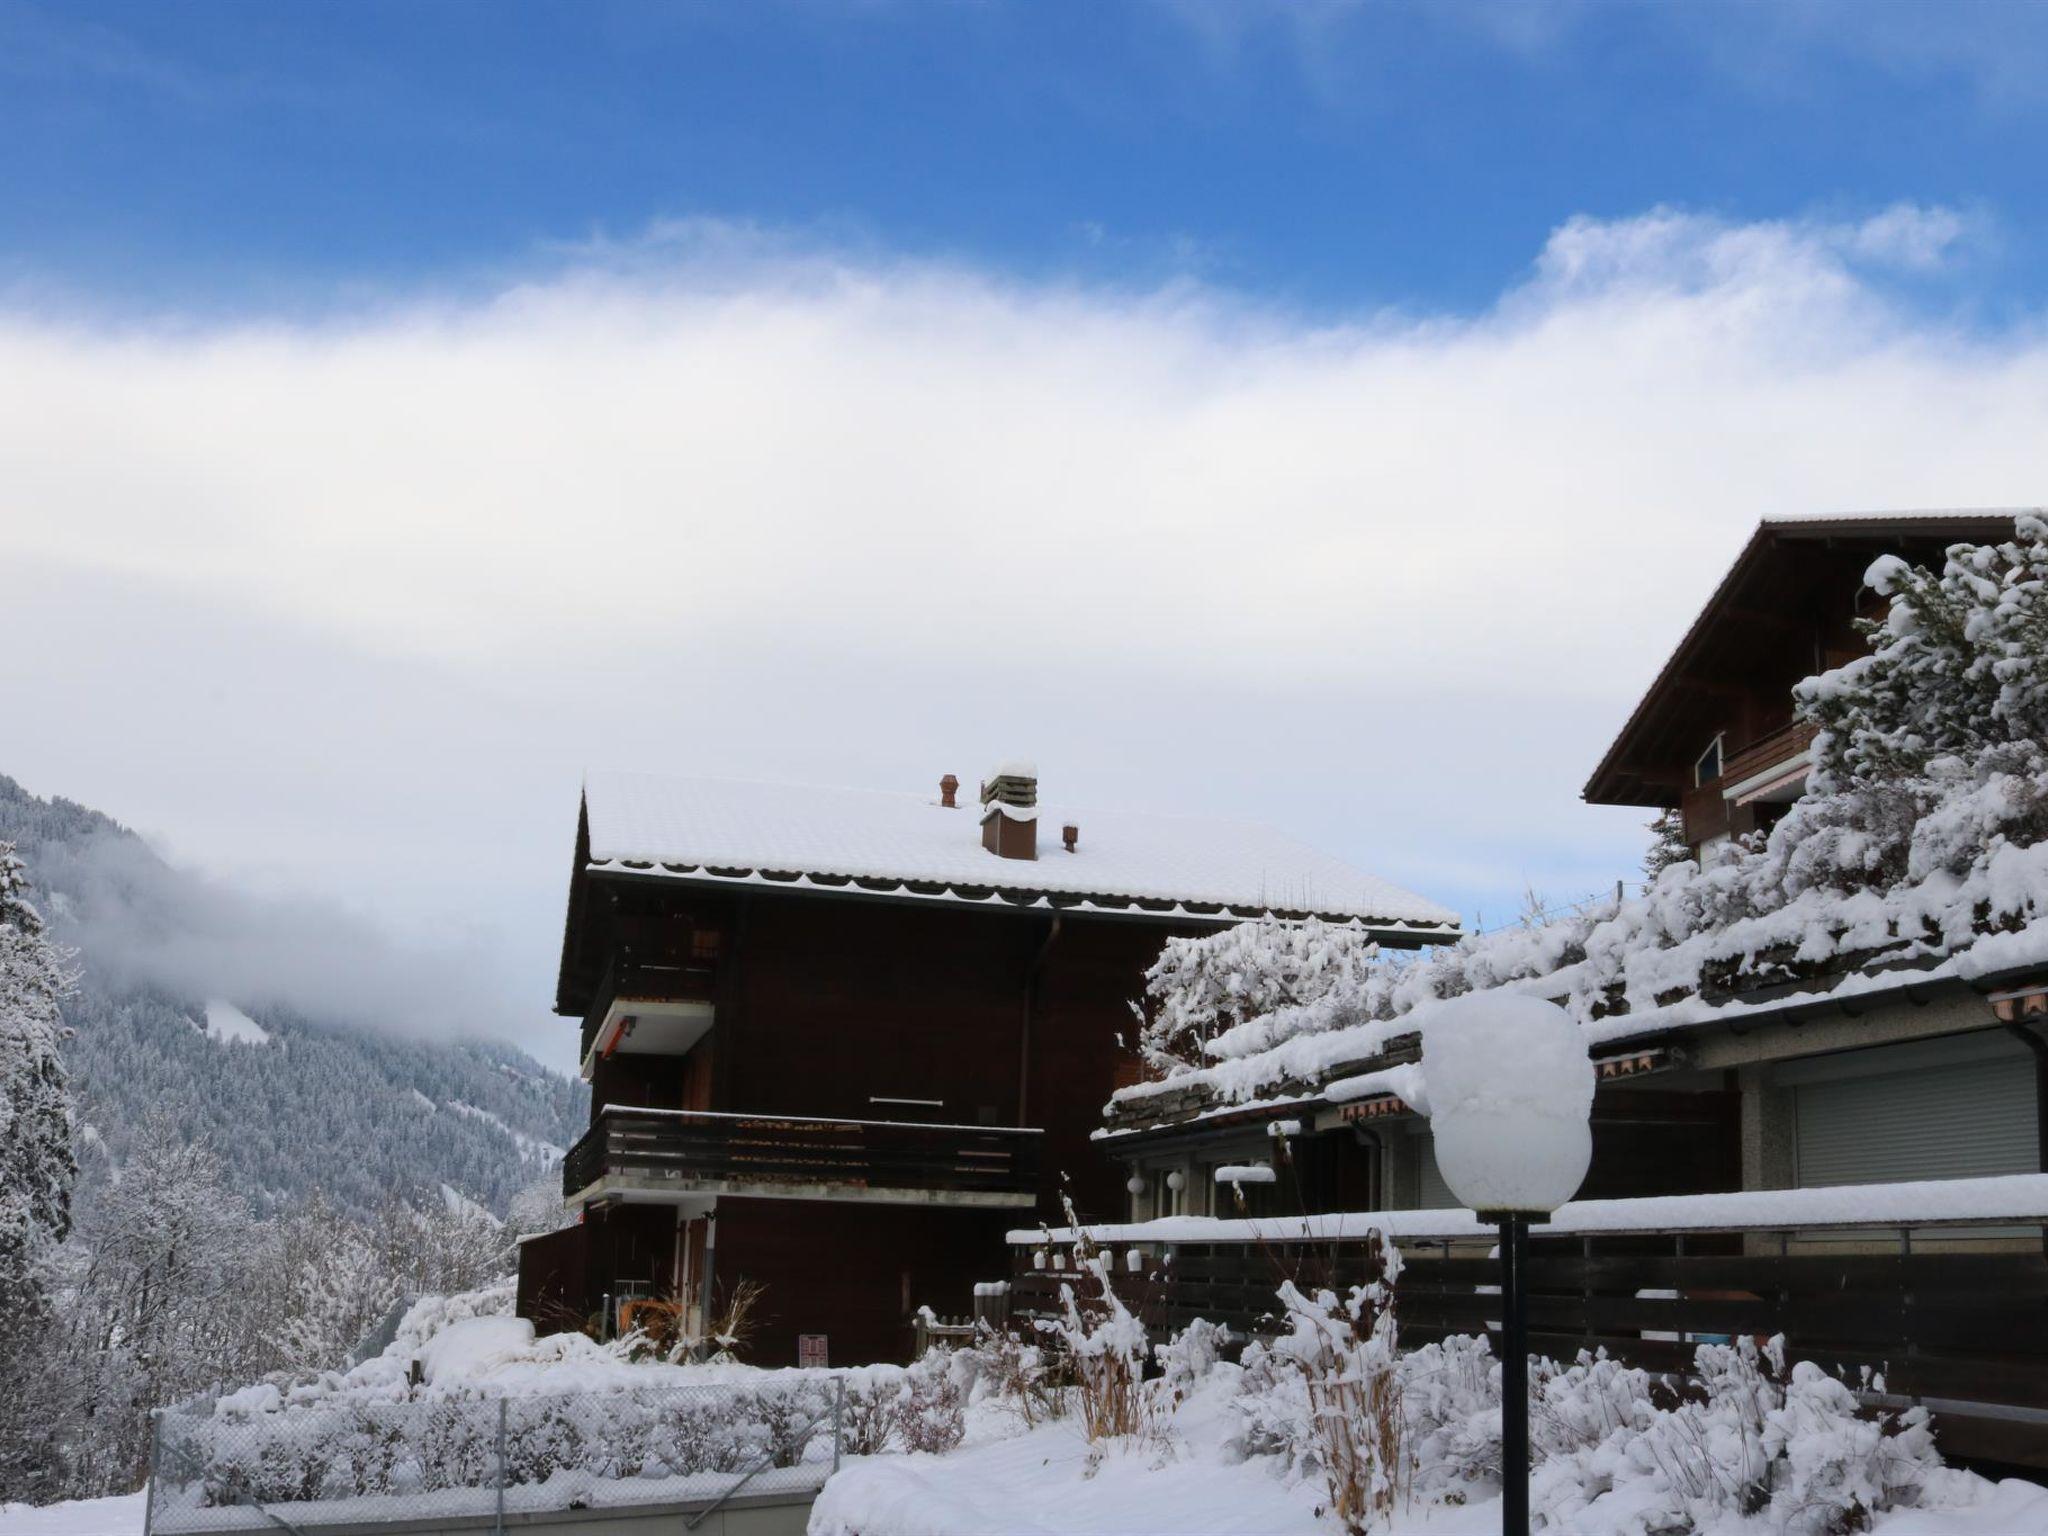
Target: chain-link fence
224, 1467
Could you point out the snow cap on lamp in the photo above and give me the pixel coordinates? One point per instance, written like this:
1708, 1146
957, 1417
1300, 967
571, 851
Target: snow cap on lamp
1510, 1088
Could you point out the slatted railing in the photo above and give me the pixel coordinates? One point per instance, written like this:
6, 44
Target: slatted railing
769, 1153
1956, 1317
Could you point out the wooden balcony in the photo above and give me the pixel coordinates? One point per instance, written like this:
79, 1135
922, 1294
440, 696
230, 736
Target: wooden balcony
658, 1007
1769, 768
1781, 749
684, 1156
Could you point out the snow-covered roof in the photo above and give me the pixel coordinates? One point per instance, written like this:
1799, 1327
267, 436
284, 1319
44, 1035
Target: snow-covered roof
743, 832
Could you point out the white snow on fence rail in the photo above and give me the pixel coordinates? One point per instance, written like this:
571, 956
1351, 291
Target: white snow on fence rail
1245, 1173
2019, 1197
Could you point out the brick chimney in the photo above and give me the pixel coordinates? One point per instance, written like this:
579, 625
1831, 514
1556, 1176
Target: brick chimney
949, 786
1009, 812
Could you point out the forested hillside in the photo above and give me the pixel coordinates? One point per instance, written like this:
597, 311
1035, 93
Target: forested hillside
353, 1107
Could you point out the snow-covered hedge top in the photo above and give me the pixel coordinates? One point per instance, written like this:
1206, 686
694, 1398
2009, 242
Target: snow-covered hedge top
470, 1345
1922, 842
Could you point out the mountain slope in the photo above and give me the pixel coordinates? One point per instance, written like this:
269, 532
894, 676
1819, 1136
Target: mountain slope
355, 1106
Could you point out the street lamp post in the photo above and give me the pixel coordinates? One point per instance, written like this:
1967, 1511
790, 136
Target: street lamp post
1514, 1371
1509, 1089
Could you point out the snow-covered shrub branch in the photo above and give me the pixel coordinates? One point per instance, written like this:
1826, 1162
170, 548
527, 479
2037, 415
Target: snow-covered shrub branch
1202, 988
1342, 1349
1105, 1345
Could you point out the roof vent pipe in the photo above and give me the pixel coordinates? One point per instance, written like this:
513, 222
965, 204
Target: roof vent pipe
949, 787
1070, 835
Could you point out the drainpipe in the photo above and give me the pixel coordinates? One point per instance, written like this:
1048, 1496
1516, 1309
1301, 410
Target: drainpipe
710, 1252
1024, 1033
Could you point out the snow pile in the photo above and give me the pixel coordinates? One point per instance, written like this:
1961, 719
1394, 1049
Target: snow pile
473, 1347
1921, 845
1509, 1096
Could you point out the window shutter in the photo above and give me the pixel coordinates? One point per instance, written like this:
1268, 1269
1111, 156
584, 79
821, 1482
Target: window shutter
1432, 1193
1966, 1120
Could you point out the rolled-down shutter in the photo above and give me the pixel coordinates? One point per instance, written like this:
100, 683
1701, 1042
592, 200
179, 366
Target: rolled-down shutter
1962, 1120
1432, 1193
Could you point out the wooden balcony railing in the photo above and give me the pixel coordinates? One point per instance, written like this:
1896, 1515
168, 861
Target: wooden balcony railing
1706, 811
1768, 752
659, 1151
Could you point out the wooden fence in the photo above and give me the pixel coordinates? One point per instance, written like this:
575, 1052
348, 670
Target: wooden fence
1964, 1329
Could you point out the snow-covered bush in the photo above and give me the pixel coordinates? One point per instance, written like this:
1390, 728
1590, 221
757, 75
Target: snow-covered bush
1033, 1380
1325, 1394
1743, 1438
1200, 988
931, 1412
1191, 1355
1106, 1346
1450, 1402
255, 1447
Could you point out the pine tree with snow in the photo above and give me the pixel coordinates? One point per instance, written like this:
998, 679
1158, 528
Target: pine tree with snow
36, 1164
36, 1170
1667, 844
1958, 665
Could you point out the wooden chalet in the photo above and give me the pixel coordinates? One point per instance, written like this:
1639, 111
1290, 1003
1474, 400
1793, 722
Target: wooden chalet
1922, 1083
1714, 738
838, 1041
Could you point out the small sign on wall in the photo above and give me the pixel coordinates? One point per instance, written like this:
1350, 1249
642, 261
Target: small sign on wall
811, 1351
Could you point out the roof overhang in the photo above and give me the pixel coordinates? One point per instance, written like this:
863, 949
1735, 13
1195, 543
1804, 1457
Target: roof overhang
1402, 931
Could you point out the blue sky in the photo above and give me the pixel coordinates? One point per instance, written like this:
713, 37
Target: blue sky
1326, 155
406, 408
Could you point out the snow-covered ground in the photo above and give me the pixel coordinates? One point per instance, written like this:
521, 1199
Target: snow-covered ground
225, 1022
118, 1516
529, 1146
1186, 1483
1047, 1480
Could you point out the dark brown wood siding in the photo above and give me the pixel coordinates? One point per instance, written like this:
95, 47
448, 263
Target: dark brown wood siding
852, 1272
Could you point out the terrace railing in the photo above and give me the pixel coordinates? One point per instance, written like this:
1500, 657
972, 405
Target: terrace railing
805, 1156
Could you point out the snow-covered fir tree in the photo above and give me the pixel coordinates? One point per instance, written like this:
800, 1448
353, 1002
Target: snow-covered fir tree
36, 1169
36, 1163
1667, 844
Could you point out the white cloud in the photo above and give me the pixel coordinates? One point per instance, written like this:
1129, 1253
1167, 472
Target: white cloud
726, 502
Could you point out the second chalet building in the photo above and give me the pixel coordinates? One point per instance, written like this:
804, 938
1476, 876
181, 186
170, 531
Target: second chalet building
839, 1041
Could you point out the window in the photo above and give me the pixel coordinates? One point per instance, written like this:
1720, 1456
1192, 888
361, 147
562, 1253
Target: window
1708, 768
